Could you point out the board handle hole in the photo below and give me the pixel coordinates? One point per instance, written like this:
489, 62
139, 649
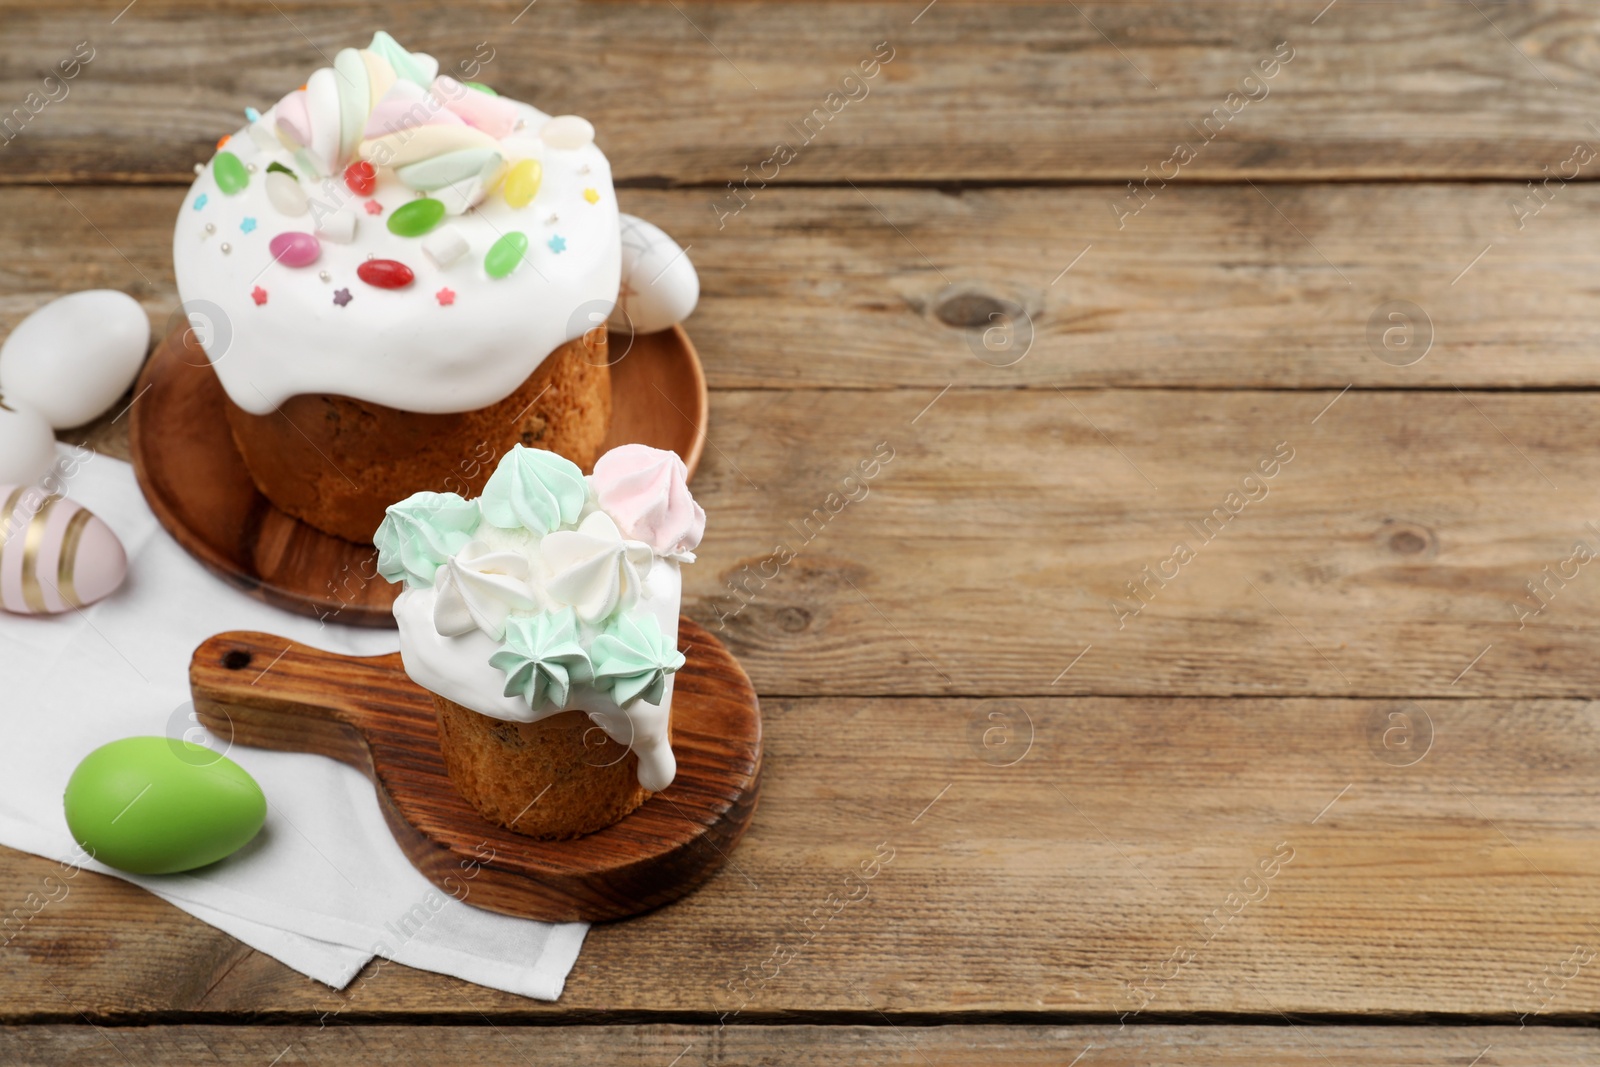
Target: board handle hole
236, 659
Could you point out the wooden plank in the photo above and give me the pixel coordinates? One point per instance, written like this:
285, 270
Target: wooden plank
804, 1046
1207, 287
975, 92
1391, 552
1141, 857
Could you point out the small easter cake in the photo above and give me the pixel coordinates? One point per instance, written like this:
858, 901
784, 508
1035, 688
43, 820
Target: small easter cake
543, 618
398, 275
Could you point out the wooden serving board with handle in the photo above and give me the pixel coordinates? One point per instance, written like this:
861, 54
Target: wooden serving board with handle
256, 689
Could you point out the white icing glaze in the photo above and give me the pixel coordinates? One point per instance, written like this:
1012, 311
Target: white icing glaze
403, 348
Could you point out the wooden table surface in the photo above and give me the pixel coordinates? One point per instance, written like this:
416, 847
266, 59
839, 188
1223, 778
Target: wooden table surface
1318, 788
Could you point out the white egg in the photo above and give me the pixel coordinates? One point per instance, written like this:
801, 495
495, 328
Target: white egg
27, 444
71, 359
659, 284
55, 555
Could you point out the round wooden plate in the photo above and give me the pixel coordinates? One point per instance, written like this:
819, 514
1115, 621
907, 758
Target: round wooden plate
199, 489
367, 713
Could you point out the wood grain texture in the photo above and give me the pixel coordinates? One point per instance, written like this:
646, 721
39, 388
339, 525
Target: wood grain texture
975, 91
806, 1046
367, 713
1385, 558
1208, 287
1127, 831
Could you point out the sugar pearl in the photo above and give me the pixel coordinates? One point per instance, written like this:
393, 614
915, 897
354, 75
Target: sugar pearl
251, 167
199, 168
226, 248
211, 227
324, 275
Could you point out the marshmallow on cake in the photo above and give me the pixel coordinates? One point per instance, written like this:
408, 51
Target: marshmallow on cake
398, 275
543, 618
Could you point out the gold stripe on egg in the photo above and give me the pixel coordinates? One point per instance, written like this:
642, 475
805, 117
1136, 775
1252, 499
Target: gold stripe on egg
8, 527
12, 501
67, 566
32, 595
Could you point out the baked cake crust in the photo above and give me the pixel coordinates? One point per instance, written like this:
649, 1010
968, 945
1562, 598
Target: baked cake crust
337, 463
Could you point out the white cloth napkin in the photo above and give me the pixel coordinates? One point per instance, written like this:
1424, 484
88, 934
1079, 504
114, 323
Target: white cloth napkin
323, 887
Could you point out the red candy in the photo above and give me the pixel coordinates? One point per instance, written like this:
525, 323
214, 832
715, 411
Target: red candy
361, 178
385, 273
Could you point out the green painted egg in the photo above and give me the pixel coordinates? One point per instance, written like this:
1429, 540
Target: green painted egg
155, 805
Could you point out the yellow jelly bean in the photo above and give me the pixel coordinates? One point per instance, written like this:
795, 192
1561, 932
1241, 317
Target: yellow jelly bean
522, 183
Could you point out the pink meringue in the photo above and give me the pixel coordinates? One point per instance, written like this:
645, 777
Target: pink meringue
646, 491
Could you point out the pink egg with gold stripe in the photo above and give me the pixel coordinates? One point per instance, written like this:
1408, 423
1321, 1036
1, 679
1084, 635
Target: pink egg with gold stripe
55, 554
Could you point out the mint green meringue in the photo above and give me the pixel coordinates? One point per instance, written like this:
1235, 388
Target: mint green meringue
418, 67
542, 658
534, 489
421, 532
633, 658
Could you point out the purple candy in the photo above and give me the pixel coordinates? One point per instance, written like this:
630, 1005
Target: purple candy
295, 249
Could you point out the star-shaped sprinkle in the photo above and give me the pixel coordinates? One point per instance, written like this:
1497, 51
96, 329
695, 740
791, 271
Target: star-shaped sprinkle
259, 295
248, 225
558, 244
373, 207
341, 297
591, 195
200, 201
446, 296
252, 114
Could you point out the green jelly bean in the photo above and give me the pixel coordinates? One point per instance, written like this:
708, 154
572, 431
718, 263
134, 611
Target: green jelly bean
504, 255
230, 173
482, 88
417, 217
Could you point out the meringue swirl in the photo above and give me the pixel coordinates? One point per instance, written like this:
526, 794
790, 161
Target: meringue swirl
420, 532
647, 491
633, 659
535, 490
480, 587
542, 658
594, 569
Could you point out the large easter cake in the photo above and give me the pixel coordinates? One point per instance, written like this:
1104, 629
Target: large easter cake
398, 275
